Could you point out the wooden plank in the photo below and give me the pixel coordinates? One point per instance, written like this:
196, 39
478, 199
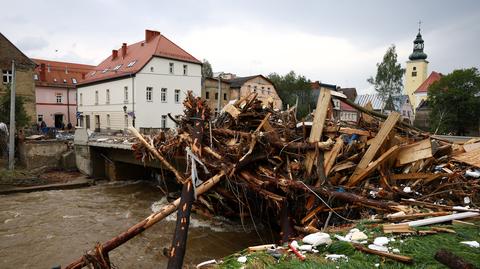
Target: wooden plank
331, 155
232, 110
375, 146
414, 152
346, 130
471, 158
317, 127
370, 168
471, 147
409, 176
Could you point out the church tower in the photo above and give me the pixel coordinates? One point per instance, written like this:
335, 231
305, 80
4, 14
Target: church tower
416, 69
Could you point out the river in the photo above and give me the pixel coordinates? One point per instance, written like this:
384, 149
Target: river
44, 229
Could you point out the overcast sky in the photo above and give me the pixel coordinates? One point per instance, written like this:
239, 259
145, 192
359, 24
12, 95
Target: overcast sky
336, 42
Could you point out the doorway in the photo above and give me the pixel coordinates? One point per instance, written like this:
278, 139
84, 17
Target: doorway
87, 121
97, 123
58, 121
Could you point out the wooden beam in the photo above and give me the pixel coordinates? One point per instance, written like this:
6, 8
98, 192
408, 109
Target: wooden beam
331, 156
323, 103
375, 146
414, 152
472, 157
371, 167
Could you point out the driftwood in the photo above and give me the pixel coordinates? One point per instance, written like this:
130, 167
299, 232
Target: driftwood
451, 260
396, 257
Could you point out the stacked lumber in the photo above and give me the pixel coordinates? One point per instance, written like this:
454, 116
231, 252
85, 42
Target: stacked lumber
302, 172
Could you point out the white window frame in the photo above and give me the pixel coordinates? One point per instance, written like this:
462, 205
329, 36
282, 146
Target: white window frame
149, 94
163, 122
177, 96
163, 95
185, 70
107, 96
125, 94
7, 76
59, 98
171, 67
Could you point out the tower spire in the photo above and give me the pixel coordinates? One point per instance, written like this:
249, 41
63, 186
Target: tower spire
419, 25
418, 45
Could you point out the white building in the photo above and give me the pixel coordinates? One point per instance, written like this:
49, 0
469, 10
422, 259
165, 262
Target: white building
138, 85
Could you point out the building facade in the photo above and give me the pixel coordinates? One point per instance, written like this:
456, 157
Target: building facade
56, 93
416, 69
266, 92
24, 69
139, 85
210, 93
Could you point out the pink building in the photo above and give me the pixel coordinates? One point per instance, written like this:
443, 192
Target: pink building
55, 90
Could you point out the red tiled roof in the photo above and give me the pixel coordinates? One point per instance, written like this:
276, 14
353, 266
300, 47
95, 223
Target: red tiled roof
60, 74
139, 53
346, 107
434, 76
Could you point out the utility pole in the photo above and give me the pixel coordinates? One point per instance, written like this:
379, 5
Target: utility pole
219, 92
11, 148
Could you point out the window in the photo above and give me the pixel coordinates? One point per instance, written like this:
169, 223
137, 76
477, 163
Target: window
263, 90
163, 123
171, 68
185, 69
7, 76
40, 118
125, 95
414, 68
224, 96
64, 81
254, 88
96, 97
107, 96
108, 121
117, 67
177, 96
148, 94
216, 112
35, 76
216, 96
74, 80
130, 64
163, 95
105, 71
207, 95
414, 73
59, 98
81, 99
152, 69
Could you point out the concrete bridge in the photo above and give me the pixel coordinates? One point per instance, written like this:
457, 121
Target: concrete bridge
111, 157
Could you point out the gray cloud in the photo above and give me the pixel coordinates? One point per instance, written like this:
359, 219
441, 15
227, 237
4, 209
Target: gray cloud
32, 43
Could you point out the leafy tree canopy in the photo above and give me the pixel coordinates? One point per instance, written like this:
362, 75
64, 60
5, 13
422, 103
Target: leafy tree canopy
206, 69
21, 117
455, 102
292, 86
388, 80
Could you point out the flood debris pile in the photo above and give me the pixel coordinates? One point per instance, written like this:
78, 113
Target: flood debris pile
306, 176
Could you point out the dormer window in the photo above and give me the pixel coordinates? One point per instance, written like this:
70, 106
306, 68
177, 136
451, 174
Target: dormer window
130, 64
117, 67
74, 80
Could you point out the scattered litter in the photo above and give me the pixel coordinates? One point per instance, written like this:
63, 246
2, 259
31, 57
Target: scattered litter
242, 259
381, 241
472, 173
306, 247
316, 239
206, 263
473, 244
466, 200
335, 257
378, 248
407, 189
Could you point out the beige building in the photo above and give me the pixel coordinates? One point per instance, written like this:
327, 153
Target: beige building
210, 93
416, 69
24, 70
242, 86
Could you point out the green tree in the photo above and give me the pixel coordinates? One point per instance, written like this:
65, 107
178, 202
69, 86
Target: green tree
388, 80
455, 102
206, 69
21, 117
292, 86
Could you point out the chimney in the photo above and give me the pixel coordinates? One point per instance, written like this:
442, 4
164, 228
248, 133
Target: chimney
150, 34
114, 54
124, 50
42, 72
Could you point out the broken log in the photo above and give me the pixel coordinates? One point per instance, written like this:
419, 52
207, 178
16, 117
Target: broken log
451, 260
396, 257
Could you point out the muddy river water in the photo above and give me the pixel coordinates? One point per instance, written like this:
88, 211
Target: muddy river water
44, 229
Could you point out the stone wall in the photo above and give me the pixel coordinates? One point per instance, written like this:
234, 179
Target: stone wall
42, 153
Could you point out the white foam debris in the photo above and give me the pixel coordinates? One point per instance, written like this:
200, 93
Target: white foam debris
466, 200
381, 241
295, 244
395, 250
472, 173
397, 214
358, 236
316, 239
473, 244
377, 265
242, 259
407, 189
305, 247
378, 248
335, 257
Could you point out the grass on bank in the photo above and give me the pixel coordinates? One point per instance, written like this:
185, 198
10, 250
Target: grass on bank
421, 248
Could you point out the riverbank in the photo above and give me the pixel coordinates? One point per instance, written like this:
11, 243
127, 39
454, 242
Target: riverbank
421, 248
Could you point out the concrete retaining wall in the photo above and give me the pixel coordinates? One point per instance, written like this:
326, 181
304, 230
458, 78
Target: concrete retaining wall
42, 153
